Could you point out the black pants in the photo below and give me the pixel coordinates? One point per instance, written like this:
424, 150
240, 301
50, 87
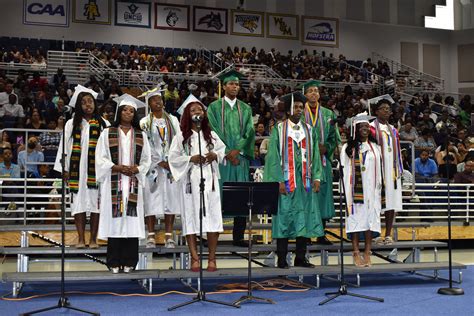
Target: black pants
122, 252
301, 246
238, 230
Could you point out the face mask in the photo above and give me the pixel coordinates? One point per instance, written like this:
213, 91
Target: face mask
31, 145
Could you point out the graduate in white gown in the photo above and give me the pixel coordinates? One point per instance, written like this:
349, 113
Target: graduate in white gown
81, 134
122, 162
163, 195
388, 139
361, 161
184, 163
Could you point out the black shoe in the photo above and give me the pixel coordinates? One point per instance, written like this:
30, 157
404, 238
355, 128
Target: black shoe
240, 243
282, 263
303, 263
323, 241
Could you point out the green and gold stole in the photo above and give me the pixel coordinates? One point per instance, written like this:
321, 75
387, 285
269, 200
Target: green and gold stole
94, 133
116, 178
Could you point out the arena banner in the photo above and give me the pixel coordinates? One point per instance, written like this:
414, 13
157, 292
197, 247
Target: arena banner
211, 20
171, 17
284, 26
92, 11
320, 31
247, 23
136, 14
46, 12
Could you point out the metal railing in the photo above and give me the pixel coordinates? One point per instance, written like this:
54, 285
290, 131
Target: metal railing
415, 80
11, 69
76, 66
374, 79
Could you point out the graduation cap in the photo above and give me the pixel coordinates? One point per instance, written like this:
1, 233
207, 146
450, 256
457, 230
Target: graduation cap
79, 88
377, 99
309, 84
151, 93
127, 99
360, 118
190, 99
291, 98
231, 75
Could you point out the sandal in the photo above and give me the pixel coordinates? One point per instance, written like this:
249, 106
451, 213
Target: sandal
211, 265
357, 259
195, 266
368, 262
388, 240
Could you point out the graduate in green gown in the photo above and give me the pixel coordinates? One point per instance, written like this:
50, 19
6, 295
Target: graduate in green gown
294, 162
231, 120
326, 135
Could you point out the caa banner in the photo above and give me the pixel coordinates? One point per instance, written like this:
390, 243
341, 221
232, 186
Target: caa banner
247, 23
46, 12
136, 14
171, 17
210, 20
92, 11
282, 26
320, 31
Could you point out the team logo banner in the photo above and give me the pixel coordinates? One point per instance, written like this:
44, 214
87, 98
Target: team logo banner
247, 23
282, 26
320, 31
137, 14
209, 20
46, 12
171, 17
92, 11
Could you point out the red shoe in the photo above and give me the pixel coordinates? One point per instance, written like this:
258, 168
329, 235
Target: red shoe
195, 267
211, 265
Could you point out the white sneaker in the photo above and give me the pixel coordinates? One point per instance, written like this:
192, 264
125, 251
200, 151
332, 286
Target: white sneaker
379, 241
170, 244
127, 269
115, 270
388, 240
150, 242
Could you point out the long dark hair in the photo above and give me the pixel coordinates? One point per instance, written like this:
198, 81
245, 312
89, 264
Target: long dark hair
186, 124
135, 122
354, 143
79, 114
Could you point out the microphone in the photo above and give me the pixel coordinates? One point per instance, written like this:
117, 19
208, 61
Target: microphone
197, 118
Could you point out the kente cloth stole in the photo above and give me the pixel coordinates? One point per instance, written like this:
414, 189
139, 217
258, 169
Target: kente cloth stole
94, 133
241, 120
136, 148
356, 179
287, 154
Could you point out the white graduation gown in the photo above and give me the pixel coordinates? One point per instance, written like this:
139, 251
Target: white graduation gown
393, 197
125, 226
85, 200
180, 165
363, 217
163, 195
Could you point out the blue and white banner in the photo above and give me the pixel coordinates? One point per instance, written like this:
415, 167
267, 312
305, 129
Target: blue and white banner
46, 12
320, 31
92, 11
137, 14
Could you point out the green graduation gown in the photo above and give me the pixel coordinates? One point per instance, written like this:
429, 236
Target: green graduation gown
297, 215
235, 133
327, 134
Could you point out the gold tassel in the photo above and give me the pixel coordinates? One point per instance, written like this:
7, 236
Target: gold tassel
219, 87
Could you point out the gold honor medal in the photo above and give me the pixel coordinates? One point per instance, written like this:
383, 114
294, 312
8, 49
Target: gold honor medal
363, 168
389, 149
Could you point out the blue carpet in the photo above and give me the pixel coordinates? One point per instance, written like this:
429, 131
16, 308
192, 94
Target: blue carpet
404, 295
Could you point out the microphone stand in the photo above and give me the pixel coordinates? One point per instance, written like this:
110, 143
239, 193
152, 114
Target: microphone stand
449, 290
342, 284
201, 294
63, 299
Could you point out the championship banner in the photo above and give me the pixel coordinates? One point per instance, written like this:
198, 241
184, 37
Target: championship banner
246, 23
320, 31
136, 14
92, 11
210, 20
171, 17
284, 26
46, 12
